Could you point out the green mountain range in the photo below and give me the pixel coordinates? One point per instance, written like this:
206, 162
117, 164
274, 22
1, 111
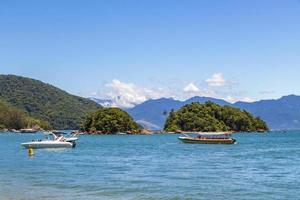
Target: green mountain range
45, 102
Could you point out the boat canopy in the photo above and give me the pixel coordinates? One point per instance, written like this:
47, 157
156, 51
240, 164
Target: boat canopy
213, 134
59, 133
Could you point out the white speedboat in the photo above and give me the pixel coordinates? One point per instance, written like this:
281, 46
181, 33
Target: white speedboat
40, 144
55, 142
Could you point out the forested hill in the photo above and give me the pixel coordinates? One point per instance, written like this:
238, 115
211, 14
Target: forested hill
46, 102
213, 117
13, 118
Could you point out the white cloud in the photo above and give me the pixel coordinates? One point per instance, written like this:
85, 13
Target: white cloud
246, 99
126, 95
191, 88
93, 93
232, 99
216, 80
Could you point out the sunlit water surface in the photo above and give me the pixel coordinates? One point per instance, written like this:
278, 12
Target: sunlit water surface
259, 166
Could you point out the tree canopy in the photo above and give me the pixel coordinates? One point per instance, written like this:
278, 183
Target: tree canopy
109, 120
13, 118
45, 102
213, 117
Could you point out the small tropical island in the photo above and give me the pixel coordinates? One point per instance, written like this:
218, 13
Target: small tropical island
111, 121
211, 117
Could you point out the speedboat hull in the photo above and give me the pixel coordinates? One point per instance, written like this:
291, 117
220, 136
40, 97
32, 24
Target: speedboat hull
47, 144
192, 140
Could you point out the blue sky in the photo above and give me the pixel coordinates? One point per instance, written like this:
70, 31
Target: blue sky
236, 50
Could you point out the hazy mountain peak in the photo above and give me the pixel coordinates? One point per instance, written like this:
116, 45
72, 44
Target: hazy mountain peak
103, 102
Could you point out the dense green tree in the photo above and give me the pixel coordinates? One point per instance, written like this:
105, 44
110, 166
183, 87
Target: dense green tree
212, 117
45, 102
109, 120
13, 118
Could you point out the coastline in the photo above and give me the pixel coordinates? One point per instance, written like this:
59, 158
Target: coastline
143, 132
216, 132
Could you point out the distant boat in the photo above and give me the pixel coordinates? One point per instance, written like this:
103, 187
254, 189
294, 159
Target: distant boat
121, 133
208, 138
4, 130
28, 130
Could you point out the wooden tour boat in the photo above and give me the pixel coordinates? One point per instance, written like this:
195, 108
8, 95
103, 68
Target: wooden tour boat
209, 138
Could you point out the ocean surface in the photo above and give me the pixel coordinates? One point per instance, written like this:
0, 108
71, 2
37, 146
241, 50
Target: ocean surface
259, 166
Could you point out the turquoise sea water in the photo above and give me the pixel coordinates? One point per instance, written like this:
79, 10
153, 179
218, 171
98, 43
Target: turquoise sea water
259, 166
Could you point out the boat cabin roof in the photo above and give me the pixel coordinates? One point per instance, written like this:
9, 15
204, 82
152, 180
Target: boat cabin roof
214, 134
